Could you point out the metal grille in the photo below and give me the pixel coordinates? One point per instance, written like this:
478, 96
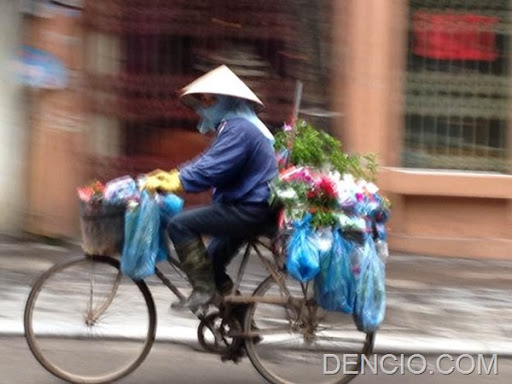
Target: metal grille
457, 85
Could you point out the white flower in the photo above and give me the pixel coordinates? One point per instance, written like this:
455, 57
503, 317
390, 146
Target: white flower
335, 176
288, 193
372, 188
354, 223
349, 178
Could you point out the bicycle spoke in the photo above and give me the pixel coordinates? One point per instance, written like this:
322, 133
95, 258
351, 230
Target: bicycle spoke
294, 339
87, 323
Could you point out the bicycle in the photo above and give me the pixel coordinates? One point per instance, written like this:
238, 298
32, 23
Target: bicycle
282, 329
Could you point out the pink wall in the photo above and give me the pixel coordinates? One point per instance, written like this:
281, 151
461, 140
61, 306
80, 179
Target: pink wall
436, 213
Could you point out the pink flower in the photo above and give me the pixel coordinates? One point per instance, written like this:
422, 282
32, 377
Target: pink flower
287, 127
297, 174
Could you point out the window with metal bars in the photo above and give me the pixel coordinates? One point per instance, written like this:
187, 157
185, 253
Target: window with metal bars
457, 108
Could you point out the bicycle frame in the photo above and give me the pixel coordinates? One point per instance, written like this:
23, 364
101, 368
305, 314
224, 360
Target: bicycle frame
271, 266
274, 267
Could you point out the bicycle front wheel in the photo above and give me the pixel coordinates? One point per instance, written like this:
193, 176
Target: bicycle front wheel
87, 323
299, 342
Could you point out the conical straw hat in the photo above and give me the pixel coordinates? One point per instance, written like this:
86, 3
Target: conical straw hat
220, 81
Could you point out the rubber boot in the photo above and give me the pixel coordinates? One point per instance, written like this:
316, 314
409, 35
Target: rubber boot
197, 266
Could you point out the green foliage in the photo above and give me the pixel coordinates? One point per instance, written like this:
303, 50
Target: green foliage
318, 149
323, 219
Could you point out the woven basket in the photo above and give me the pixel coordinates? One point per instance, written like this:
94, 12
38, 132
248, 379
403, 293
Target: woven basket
102, 227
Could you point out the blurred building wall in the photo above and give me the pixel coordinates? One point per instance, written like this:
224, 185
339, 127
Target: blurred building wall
57, 122
13, 130
441, 128
140, 54
455, 198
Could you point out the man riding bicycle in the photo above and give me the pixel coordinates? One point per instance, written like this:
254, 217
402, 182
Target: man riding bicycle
238, 166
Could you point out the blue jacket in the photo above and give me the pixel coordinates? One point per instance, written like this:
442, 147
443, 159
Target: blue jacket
239, 165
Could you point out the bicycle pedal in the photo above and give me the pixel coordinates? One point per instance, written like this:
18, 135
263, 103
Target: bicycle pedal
235, 352
234, 357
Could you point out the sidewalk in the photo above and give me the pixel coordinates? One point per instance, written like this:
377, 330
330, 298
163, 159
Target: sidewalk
434, 305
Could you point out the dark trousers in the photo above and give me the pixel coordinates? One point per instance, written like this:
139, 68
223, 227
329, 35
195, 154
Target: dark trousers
230, 225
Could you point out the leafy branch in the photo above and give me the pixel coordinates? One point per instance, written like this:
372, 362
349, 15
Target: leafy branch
315, 148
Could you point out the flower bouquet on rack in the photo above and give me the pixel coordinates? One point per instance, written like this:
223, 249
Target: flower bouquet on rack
336, 217
118, 218
102, 214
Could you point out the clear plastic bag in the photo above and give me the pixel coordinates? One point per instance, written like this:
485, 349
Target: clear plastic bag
121, 190
382, 250
381, 242
358, 252
303, 256
335, 284
370, 297
141, 238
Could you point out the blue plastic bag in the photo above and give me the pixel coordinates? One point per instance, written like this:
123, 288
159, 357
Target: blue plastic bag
141, 238
169, 205
302, 260
335, 284
370, 296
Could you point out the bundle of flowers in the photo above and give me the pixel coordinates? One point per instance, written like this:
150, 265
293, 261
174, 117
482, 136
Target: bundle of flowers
332, 199
336, 217
92, 192
109, 211
102, 220
318, 178
123, 192
116, 191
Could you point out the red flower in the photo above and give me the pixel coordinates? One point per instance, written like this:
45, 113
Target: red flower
97, 187
313, 193
328, 187
94, 189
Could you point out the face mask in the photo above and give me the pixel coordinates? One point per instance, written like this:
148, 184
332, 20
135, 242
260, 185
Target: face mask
207, 121
211, 117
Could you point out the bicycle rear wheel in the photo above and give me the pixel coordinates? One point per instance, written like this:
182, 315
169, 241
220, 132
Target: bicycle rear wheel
87, 323
301, 343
